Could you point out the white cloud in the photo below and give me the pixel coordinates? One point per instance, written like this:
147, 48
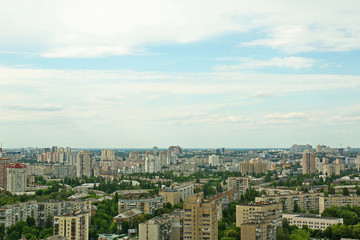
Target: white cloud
286, 62
84, 28
291, 115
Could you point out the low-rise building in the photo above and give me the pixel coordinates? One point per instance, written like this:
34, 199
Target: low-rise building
126, 216
313, 221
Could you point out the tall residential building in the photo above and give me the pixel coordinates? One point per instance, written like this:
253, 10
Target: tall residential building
214, 160
175, 149
300, 148
254, 166
163, 158
241, 184
134, 156
4, 163
308, 162
107, 154
74, 226
16, 178
155, 150
152, 164
84, 164
200, 218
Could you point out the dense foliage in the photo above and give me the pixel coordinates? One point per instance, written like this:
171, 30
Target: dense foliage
27, 229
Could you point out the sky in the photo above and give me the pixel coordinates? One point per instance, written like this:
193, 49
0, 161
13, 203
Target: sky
194, 73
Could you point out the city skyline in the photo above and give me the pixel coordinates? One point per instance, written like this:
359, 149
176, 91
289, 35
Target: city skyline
204, 74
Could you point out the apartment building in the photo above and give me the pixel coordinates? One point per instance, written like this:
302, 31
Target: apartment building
13, 213
258, 210
313, 221
258, 230
72, 226
338, 200
305, 201
255, 166
16, 178
149, 205
239, 183
200, 218
185, 190
171, 195
157, 228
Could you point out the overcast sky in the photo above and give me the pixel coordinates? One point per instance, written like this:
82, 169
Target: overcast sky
192, 73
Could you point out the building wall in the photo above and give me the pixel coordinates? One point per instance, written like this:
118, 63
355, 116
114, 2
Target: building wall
306, 201
172, 197
314, 222
16, 178
338, 200
245, 212
200, 218
72, 227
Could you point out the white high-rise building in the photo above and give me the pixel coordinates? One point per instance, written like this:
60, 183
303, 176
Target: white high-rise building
16, 178
214, 160
152, 164
84, 164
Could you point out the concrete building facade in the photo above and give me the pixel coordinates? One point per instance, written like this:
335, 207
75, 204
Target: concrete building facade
200, 218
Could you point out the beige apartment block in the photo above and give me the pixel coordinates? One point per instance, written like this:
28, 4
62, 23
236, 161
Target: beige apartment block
313, 221
306, 201
74, 226
308, 162
255, 166
16, 178
239, 183
257, 230
200, 218
149, 205
172, 196
166, 227
157, 228
271, 211
338, 200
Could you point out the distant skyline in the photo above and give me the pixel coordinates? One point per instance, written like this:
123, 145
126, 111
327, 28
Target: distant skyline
199, 74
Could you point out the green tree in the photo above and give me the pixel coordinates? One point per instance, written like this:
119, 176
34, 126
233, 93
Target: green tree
30, 221
296, 207
346, 191
300, 234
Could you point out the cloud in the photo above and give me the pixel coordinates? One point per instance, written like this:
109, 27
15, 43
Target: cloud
35, 108
286, 62
66, 29
291, 115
